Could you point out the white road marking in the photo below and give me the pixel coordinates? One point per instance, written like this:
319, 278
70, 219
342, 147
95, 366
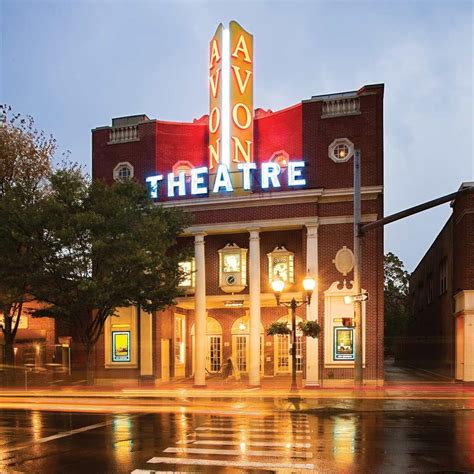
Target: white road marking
216, 462
238, 434
64, 434
280, 444
146, 471
284, 416
251, 426
279, 423
239, 452
247, 430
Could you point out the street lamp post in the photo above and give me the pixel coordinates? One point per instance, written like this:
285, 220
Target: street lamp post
278, 286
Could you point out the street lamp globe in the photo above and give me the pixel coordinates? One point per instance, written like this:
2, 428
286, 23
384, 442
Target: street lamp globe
277, 286
309, 284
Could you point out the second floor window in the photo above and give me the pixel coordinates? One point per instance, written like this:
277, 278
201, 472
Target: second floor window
188, 274
429, 284
443, 276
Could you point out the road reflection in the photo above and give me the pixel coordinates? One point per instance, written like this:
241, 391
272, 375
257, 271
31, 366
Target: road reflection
323, 441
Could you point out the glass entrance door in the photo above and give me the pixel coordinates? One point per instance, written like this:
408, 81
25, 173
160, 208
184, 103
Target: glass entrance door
283, 356
241, 352
214, 353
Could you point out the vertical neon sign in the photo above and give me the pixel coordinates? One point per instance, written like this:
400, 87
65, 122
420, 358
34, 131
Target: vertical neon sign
215, 98
231, 103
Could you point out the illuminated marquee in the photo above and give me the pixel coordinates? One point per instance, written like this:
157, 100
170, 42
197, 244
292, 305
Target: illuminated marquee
231, 163
200, 183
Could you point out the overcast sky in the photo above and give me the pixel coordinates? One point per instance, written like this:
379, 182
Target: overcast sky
74, 65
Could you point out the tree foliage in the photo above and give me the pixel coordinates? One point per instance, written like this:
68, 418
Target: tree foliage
26, 156
105, 247
396, 280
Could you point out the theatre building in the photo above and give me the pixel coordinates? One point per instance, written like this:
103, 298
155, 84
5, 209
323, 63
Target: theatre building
271, 196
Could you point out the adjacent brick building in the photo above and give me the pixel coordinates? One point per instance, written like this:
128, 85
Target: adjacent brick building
441, 327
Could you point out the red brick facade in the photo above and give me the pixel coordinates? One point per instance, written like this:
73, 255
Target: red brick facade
305, 132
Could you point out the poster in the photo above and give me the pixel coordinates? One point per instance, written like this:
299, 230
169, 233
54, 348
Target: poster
120, 346
343, 343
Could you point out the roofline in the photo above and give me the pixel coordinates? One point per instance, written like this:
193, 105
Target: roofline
344, 95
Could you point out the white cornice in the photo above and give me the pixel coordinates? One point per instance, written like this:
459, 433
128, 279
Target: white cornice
273, 224
273, 198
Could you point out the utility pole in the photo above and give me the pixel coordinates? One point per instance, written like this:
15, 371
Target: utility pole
358, 373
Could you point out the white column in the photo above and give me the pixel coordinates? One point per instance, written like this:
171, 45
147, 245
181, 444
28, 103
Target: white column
254, 297
312, 356
200, 342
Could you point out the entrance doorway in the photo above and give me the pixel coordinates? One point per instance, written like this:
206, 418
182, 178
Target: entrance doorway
214, 345
282, 344
214, 353
241, 344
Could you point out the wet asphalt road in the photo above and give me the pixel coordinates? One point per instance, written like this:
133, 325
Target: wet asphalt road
328, 440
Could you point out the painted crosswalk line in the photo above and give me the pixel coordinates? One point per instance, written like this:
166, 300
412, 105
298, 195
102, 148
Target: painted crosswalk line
270, 444
239, 464
241, 444
238, 434
240, 452
256, 425
247, 430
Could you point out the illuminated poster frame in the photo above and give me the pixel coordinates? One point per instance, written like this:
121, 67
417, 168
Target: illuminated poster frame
121, 346
347, 351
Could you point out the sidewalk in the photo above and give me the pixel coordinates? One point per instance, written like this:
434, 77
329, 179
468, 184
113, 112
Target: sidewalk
272, 387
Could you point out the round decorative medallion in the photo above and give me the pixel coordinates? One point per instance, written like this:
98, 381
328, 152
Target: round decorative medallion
344, 260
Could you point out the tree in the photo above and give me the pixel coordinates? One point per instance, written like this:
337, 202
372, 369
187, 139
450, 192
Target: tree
105, 247
396, 280
26, 156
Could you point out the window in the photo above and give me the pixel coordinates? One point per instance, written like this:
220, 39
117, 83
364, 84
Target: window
421, 299
188, 271
281, 158
281, 264
185, 166
429, 285
341, 150
179, 332
123, 171
443, 276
